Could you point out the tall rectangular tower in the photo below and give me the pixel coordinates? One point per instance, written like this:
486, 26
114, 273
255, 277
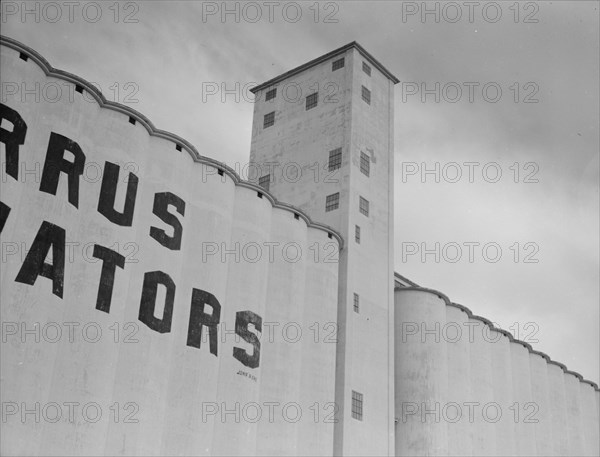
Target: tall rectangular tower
322, 138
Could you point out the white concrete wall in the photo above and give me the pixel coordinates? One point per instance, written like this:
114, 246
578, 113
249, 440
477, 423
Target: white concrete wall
421, 373
574, 420
558, 409
482, 395
459, 381
543, 411
503, 391
157, 395
315, 431
301, 140
523, 406
540, 391
590, 419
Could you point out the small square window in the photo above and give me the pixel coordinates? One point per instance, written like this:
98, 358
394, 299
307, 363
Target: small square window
178, 147
357, 405
269, 119
366, 95
23, 56
312, 100
332, 202
357, 234
363, 206
337, 64
78, 89
367, 69
365, 164
264, 181
335, 159
356, 303
271, 94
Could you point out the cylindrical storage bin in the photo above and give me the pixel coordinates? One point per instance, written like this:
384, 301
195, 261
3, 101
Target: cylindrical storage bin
540, 390
455, 333
243, 316
193, 409
421, 373
319, 343
590, 418
558, 408
486, 412
283, 330
574, 416
522, 408
503, 390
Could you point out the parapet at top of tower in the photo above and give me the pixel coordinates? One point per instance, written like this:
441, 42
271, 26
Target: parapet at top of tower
323, 58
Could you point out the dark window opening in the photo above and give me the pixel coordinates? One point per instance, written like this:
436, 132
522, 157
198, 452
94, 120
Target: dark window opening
366, 95
332, 202
335, 159
269, 119
337, 64
312, 100
271, 94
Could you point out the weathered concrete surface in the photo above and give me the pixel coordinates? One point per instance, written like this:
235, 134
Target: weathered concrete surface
156, 386
295, 151
421, 374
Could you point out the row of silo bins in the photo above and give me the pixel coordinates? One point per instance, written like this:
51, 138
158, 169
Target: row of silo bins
465, 387
172, 366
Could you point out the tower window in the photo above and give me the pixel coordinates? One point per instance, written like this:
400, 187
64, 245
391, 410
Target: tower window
271, 94
312, 100
269, 119
366, 69
365, 164
356, 303
335, 159
337, 64
357, 234
357, 405
363, 206
366, 95
332, 202
264, 181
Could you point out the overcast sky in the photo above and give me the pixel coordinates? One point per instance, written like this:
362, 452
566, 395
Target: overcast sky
545, 53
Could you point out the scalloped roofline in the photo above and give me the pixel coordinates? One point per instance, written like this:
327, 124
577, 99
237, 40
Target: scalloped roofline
506, 333
49, 70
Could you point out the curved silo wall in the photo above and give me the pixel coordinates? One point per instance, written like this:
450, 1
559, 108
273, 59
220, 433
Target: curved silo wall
523, 405
320, 337
459, 380
558, 408
503, 391
574, 419
540, 390
485, 412
515, 401
421, 373
281, 345
590, 418
167, 282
